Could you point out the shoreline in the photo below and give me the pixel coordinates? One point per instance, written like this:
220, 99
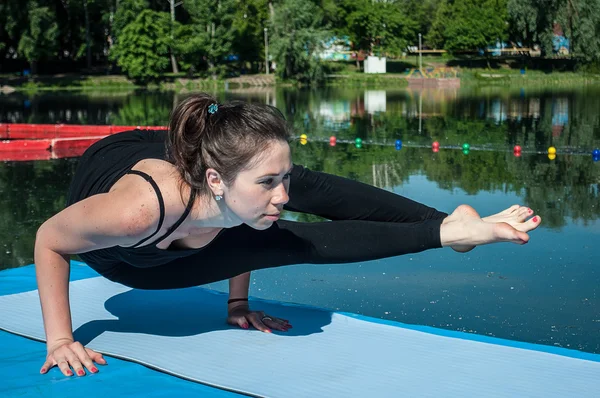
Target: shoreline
468, 78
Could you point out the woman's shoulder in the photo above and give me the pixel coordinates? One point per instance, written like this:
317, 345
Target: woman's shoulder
154, 185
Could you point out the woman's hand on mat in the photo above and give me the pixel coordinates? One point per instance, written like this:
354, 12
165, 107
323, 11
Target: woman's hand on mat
67, 354
243, 317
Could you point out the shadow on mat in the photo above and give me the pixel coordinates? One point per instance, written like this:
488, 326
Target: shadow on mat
188, 312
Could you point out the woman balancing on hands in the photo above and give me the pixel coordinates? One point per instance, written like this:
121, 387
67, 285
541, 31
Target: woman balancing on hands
201, 203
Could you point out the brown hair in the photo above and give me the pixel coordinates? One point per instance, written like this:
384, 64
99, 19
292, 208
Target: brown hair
226, 140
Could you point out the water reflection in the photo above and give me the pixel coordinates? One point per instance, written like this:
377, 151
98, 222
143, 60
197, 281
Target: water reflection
498, 118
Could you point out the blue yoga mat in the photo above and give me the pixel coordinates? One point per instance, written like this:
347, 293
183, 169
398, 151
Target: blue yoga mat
183, 333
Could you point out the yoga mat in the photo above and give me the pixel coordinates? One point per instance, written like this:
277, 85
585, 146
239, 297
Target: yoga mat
183, 333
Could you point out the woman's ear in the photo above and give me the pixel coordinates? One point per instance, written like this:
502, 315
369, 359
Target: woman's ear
214, 181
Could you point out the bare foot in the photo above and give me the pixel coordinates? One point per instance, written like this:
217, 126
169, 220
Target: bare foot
464, 229
520, 217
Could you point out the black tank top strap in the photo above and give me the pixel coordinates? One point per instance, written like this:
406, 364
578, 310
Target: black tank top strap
188, 208
161, 203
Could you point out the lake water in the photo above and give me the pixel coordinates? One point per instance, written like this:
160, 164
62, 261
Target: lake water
544, 292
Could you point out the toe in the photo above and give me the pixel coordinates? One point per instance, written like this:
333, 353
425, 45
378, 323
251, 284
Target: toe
532, 223
511, 209
523, 213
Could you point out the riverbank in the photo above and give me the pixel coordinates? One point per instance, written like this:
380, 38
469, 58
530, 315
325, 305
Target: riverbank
336, 74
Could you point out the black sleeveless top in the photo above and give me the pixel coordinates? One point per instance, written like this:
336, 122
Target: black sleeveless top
100, 167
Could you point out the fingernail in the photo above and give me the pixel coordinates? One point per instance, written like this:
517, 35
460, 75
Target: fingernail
535, 219
94, 370
69, 373
268, 331
530, 211
43, 370
80, 373
245, 326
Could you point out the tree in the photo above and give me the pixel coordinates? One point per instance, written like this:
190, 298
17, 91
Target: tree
421, 13
475, 24
39, 39
298, 37
436, 36
378, 27
582, 19
142, 47
210, 35
531, 22
250, 19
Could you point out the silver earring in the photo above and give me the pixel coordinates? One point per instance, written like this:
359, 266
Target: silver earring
218, 197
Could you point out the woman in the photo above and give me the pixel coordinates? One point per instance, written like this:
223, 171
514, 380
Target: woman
201, 203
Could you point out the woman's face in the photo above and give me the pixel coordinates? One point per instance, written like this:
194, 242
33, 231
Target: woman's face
259, 192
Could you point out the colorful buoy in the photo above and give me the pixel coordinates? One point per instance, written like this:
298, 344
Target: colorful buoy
303, 141
517, 151
398, 145
303, 137
332, 141
552, 151
466, 151
596, 153
435, 149
435, 145
551, 156
358, 142
466, 146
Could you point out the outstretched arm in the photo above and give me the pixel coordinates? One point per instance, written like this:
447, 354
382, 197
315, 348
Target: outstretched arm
338, 198
90, 224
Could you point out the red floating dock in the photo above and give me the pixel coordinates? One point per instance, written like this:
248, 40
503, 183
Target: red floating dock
53, 141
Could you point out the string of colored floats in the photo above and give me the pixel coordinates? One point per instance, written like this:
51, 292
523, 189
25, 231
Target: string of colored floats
466, 147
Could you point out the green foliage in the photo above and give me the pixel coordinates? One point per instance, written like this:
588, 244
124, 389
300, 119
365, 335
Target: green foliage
209, 38
436, 37
379, 28
583, 20
297, 37
249, 21
39, 40
531, 21
206, 33
126, 13
142, 47
473, 24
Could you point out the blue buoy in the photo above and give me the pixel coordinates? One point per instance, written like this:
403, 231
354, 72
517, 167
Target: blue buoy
596, 153
398, 145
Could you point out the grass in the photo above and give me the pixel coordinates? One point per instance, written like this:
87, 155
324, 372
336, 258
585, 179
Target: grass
473, 71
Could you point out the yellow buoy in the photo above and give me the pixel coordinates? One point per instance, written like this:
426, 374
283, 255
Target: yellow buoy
551, 156
552, 150
303, 141
303, 137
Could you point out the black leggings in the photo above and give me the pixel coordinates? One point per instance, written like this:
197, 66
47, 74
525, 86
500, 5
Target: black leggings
368, 223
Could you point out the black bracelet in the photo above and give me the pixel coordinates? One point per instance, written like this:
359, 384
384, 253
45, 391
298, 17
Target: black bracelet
236, 300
